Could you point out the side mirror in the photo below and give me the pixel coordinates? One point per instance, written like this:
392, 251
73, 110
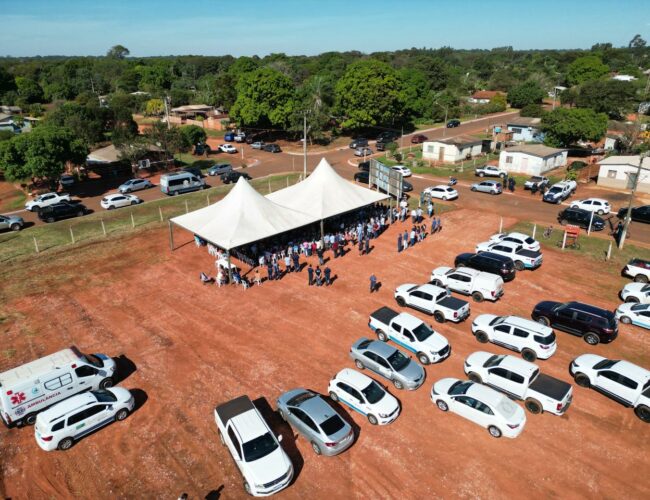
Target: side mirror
280, 438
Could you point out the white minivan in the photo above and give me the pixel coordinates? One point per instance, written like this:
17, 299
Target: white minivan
37, 385
181, 182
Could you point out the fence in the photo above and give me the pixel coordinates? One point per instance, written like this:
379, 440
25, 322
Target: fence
101, 224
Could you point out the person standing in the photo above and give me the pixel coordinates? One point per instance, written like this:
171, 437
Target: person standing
335, 248
258, 277
310, 275
269, 271
419, 214
434, 224
430, 209
414, 216
399, 242
327, 271
360, 246
439, 225
405, 239
319, 252
296, 261
412, 242
366, 249
373, 283
318, 273
287, 262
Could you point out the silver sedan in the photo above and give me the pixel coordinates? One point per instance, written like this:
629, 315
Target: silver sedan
388, 362
492, 187
307, 412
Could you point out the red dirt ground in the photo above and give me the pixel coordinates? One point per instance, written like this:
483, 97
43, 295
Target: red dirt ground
194, 346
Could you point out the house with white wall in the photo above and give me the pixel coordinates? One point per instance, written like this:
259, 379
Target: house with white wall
534, 159
525, 129
620, 172
452, 150
483, 96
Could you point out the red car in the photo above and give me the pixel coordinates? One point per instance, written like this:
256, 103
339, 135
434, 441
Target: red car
418, 139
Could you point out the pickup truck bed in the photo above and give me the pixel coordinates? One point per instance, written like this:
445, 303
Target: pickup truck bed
529, 253
231, 409
550, 386
384, 315
452, 303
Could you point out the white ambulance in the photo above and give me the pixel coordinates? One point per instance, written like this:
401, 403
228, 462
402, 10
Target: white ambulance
37, 385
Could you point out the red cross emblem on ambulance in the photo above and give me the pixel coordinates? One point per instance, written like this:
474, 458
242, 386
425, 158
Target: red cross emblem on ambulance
18, 398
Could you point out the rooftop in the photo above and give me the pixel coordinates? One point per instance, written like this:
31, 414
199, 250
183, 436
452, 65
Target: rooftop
534, 150
525, 121
486, 94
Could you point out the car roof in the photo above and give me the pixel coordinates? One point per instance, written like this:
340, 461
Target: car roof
380, 348
317, 409
507, 244
35, 368
517, 365
528, 324
602, 200
429, 288
495, 256
484, 394
517, 235
67, 405
249, 425
354, 378
635, 371
408, 320
588, 308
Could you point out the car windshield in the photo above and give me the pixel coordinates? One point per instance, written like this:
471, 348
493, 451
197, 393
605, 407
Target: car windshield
545, 340
301, 398
529, 240
422, 332
645, 288
259, 447
332, 425
373, 393
104, 396
493, 361
459, 388
92, 359
554, 190
605, 363
398, 361
497, 321
639, 307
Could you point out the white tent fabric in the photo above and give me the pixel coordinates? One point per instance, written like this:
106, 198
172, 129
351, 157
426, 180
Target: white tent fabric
325, 193
242, 217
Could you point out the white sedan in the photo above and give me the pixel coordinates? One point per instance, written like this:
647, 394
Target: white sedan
598, 205
228, 148
118, 200
441, 192
527, 242
405, 171
480, 404
635, 314
636, 292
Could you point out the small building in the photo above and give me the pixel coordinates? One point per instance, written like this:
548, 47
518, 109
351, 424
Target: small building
193, 110
525, 129
7, 123
620, 172
483, 96
611, 142
535, 159
452, 150
624, 78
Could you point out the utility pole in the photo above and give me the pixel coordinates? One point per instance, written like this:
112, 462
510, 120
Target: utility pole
304, 146
165, 100
628, 213
444, 130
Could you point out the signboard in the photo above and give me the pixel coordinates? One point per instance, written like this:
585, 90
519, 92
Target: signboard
385, 179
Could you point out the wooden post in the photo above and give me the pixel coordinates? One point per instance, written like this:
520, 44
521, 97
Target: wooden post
171, 236
71, 234
38, 251
591, 221
501, 225
132, 221
269, 179
534, 230
609, 251
103, 226
207, 197
160, 212
187, 208
564, 240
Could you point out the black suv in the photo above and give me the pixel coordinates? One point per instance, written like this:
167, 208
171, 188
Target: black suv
362, 176
234, 176
359, 142
272, 148
388, 136
581, 218
364, 166
639, 214
488, 262
453, 123
61, 210
592, 323
383, 146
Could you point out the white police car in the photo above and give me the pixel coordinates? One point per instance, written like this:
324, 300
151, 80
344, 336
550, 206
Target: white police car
634, 314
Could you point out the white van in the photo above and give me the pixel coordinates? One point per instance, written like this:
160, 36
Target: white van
180, 182
37, 385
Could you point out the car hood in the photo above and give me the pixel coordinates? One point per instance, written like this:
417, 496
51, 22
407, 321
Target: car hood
440, 271
633, 288
404, 288
13, 219
587, 360
120, 393
412, 371
627, 307
387, 404
483, 247
268, 468
477, 359
484, 319
436, 342
442, 386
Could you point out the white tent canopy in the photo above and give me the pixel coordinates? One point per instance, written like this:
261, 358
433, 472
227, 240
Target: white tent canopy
242, 217
325, 193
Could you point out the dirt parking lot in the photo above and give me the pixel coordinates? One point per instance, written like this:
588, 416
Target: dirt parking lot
187, 347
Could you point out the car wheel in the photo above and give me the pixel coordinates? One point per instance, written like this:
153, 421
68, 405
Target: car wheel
15, 227
477, 296
600, 212
134, 202
582, 380
439, 317
444, 198
247, 488
30, 419
106, 383
493, 192
643, 412
80, 213
398, 384
563, 222
475, 377
641, 278
632, 299
400, 301
382, 336
473, 189
591, 338
316, 448
49, 219
543, 320
334, 397
529, 355
442, 405
482, 337
519, 265
494, 431
127, 190
625, 320
372, 419
533, 406
65, 444
359, 364
175, 193
111, 207
481, 174
122, 414
437, 283
423, 358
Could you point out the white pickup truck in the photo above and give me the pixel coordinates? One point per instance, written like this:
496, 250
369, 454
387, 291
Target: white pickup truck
490, 171
520, 379
432, 300
638, 269
560, 191
255, 449
45, 200
411, 333
480, 285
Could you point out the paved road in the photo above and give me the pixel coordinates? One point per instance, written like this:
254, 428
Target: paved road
521, 204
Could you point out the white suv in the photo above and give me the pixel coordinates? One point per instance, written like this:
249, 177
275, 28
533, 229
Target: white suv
533, 340
636, 292
527, 242
68, 421
597, 205
364, 395
480, 285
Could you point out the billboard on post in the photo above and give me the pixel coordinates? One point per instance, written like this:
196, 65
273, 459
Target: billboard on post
385, 179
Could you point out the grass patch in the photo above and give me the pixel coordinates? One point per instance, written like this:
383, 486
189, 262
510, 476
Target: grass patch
101, 224
13, 199
214, 133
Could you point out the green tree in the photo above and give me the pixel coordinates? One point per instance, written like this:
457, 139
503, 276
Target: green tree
527, 93
265, 98
607, 96
7, 82
417, 93
42, 154
532, 111
117, 52
637, 42
169, 139
88, 122
193, 134
370, 93
154, 107
565, 127
315, 98
29, 91
585, 69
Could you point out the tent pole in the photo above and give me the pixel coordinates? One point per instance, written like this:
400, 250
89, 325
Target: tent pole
322, 235
171, 236
229, 269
